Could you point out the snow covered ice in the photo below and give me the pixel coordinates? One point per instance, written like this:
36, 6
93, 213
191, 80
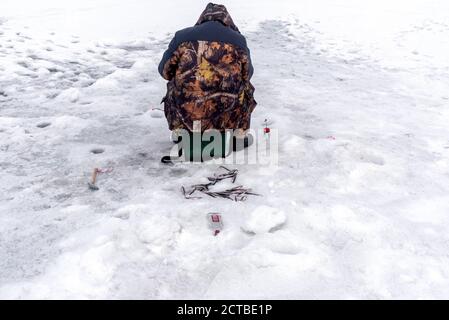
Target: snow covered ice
358, 206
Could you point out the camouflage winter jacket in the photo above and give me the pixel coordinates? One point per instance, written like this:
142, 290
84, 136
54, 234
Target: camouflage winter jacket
208, 67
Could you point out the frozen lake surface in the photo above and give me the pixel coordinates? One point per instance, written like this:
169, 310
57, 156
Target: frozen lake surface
358, 206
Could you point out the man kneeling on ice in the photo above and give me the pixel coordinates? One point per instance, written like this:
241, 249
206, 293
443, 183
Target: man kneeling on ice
208, 68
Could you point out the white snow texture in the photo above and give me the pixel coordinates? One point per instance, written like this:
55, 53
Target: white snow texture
358, 206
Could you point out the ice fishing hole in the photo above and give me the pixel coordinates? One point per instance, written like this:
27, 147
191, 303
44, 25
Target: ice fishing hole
97, 150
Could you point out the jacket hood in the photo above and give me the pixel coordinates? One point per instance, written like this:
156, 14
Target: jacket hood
217, 12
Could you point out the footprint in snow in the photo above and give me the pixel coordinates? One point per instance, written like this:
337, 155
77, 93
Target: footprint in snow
264, 219
43, 124
156, 113
371, 158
